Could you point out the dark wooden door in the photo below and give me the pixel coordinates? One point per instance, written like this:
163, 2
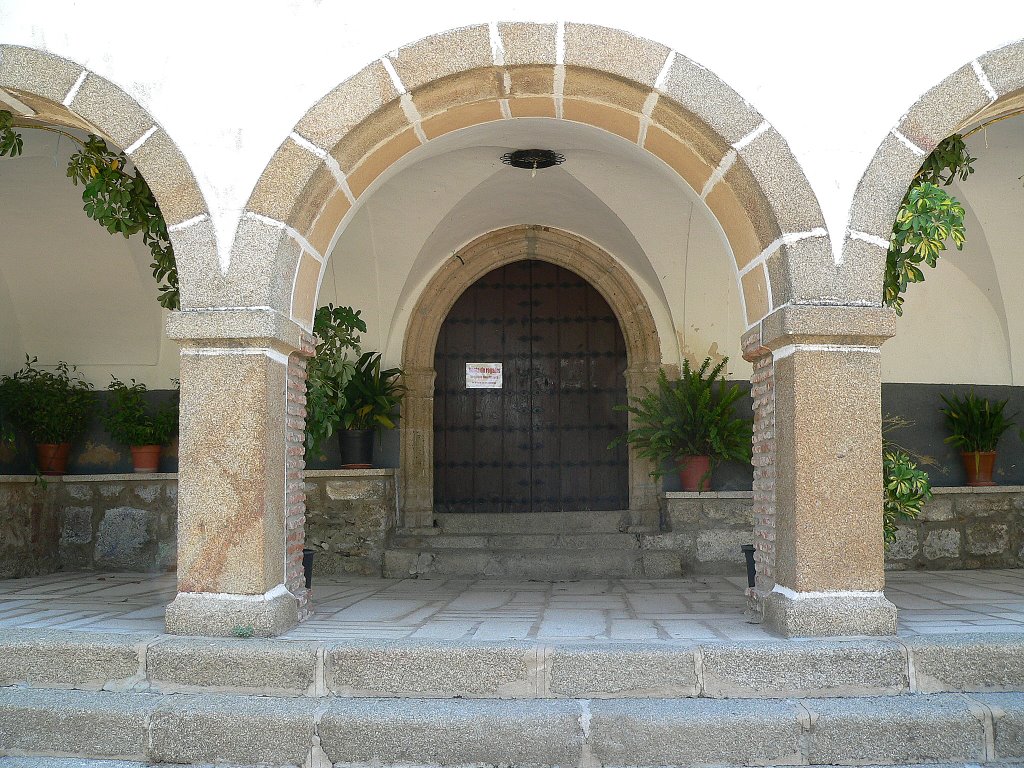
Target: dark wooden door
540, 442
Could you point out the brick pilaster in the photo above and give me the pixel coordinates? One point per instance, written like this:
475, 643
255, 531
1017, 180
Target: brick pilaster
295, 464
762, 392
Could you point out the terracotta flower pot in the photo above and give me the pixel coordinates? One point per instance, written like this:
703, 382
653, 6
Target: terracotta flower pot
978, 465
52, 458
694, 472
146, 458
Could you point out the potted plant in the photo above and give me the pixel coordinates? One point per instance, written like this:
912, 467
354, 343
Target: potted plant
336, 332
52, 407
132, 422
690, 422
371, 396
975, 426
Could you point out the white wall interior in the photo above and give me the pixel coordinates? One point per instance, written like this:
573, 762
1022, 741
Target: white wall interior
455, 189
965, 322
69, 290
812, 71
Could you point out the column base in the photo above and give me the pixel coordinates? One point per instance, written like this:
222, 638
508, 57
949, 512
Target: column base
823, 614
223, 615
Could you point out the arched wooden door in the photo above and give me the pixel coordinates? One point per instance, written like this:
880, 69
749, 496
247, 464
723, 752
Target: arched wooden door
538, 441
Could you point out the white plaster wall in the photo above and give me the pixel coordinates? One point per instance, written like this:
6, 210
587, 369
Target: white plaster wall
68, 289
965, 323
607, 191
813, 70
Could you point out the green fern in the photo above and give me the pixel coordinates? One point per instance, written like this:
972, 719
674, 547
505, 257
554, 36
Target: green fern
693, 416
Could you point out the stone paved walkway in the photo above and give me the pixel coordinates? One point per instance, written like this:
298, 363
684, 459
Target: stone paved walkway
697, 608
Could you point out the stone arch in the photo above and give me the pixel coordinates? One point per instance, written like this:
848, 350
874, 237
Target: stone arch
476, 259
640, 90
62, 92
983, 88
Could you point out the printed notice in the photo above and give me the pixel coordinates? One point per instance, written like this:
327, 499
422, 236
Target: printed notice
483, 375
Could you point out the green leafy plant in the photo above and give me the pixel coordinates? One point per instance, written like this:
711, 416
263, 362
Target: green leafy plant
906, 489
975, 423
10, 140
131, 421
927, 218
371, 395
692, 416
328, 372
115, 195
50, 406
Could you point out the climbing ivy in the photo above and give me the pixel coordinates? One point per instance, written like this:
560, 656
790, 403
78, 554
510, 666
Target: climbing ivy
927, 218
115, 195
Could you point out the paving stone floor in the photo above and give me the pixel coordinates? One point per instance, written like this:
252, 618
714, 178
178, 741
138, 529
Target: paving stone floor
696, 608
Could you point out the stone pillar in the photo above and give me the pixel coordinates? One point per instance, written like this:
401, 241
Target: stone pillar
644, 490
818, 469
416, 460
240, 502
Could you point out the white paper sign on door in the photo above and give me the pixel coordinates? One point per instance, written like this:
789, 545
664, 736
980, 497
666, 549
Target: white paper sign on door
483, 375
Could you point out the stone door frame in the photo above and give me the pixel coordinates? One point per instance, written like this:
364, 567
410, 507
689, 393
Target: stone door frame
481, 256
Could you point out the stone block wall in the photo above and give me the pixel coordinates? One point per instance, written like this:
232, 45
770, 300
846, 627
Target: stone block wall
960, 528
101, 522
129, 522
349, 514
964, 528
29, 529
707, 530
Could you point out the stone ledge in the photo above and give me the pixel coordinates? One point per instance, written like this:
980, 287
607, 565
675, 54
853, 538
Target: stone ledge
698, 496
374, 472
966, 489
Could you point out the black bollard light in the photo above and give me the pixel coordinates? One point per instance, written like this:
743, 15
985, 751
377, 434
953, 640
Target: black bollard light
748, 552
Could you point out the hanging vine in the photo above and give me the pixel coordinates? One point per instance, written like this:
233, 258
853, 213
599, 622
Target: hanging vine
927, 218
115, 195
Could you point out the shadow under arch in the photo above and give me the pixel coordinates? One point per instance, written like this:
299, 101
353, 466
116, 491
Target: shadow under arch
640, 90
63, 92
481, 256
988, 86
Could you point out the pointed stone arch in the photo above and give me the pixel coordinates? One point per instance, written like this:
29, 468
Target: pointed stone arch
640, 90
983, 88
63, 92
476, 259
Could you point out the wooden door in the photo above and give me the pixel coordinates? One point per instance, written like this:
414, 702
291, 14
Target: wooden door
539, 443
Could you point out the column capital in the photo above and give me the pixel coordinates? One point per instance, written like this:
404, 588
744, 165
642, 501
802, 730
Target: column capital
822, 325
238, 326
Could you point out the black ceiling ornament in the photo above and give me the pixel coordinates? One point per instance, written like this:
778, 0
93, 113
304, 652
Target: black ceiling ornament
532, 159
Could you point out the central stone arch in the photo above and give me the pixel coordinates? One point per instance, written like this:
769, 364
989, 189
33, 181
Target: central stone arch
456, 275
666, 104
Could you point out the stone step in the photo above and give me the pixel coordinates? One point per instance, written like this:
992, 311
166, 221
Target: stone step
535, 522
242, 730
854, 667
514, 541
84, 762
535, 564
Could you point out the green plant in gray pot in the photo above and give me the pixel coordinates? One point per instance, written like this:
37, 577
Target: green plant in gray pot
975, 425
133, 422
372, 395
51, 407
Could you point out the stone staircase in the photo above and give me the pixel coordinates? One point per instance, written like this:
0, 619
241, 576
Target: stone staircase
540, 546
69, 697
